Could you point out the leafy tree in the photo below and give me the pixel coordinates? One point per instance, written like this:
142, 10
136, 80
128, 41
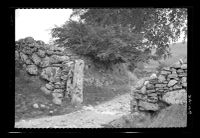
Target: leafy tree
122, 35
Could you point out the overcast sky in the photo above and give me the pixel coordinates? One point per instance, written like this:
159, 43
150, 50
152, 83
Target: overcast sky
38, 22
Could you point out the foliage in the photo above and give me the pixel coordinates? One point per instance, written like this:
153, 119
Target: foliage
110, 36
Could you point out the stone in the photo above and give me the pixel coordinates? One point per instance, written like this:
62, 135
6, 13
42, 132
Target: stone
153, 94
161, 78
184, 84
64, 77
182, 75
57, 101
183, 80
58, 59
177, 87
25, 58
77, 93
146, 83
57, 95
16, 55
35, 105
185, 60
58, 91
184, 66
45, 62
148, 106
163, 72
36, 59
32, 69
176, 65
166, 68
160, 85
153, 76
45, 90
180, 71
150, 86
42, 106
150, 91
172, 76
51, 74
140, 84
172, 83
143, 90
175, 97
48, 86
41, 53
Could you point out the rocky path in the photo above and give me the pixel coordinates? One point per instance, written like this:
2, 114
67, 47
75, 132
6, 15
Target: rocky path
87, 117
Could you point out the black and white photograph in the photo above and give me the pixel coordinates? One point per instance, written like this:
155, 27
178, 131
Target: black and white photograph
101, 68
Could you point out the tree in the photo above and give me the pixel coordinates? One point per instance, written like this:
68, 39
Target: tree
122, 35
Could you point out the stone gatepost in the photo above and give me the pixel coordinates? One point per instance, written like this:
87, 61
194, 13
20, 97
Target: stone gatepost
77, 87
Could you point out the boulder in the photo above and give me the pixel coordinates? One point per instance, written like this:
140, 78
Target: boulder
184, 84
184, 66
36, 59
32, 69
149, 86
140, 83
175, 97
172, 83
177, 65
148, 106
45, 90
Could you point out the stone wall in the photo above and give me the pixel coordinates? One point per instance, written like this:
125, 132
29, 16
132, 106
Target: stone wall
167, 87
60, 69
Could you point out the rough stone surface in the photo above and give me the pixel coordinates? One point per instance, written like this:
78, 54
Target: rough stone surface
171, 83
77, 95
36, 59
161, 78
148, 106
45, 90
184, 66
50, 73
57, 101
176, 97
32, 69
48, 86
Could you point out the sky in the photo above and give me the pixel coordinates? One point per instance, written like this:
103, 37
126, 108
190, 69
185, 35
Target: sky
37, 23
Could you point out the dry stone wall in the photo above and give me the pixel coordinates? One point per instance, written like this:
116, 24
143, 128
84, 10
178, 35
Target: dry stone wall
62, 70
167, 87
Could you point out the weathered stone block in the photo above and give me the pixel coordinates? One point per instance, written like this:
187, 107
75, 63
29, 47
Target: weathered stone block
151, 91
51, 73
161, 78
172, 76
175, 97
48, 86
164, 72
160, 85
172, 83
45, 90
36, 59
180, 71
58, 91
32, 69
184, 66
41, 53
177, 87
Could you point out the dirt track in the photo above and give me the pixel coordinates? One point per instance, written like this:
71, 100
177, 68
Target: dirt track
87, 117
